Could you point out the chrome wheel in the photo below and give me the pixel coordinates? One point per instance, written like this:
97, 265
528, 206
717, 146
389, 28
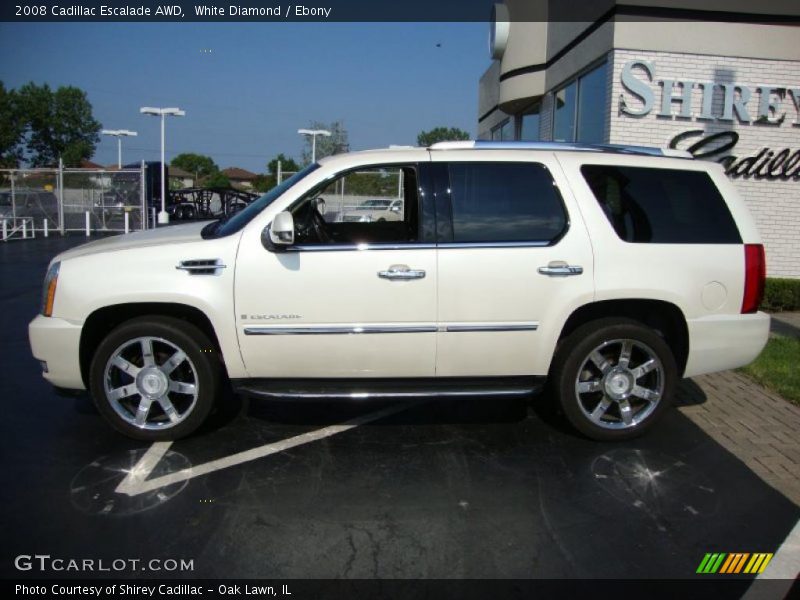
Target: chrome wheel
151, 383
620, 383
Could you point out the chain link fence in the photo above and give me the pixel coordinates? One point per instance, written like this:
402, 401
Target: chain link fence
88, 200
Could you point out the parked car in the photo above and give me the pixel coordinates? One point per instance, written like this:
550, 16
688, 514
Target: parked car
607, 272
375, 210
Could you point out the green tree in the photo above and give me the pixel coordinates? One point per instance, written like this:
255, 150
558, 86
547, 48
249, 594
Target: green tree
263, 183
216, 179
197, 164
336, 143
57, 124
441, 134
287, 164
12, 127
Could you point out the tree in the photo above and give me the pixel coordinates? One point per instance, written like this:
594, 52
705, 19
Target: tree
57, 124
441, 134
216, 179
12, 127
327, 146
197, 164
287, 164
263, 183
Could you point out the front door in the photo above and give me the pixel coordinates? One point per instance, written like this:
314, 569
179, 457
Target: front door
356, 294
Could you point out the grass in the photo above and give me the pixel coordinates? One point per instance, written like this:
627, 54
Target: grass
778, 367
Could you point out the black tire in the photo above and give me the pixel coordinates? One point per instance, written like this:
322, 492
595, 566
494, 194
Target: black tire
202, 369
572, 360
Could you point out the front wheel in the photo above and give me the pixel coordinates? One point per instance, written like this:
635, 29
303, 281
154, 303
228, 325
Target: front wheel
614, 378
155, 378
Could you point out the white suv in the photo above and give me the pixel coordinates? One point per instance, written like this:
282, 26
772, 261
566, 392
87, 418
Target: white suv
609, 271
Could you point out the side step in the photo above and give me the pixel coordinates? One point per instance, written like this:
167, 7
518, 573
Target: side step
387, 389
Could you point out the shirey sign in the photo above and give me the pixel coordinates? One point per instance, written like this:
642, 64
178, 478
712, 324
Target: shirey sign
762, 104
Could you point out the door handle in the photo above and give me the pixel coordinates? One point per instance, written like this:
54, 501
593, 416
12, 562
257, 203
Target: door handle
558, 268
401, 272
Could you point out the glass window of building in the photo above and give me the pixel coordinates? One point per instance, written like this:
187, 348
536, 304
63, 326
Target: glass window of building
529, 124
592, 106
564, 117
507, 130
580, 108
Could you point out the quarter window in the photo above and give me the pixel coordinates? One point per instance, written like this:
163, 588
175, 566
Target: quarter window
505, 202
662, 206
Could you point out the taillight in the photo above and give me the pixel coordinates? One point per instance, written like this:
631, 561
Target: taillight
755, 272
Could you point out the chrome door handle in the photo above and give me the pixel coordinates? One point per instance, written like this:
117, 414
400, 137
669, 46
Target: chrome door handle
401, 272
559, 268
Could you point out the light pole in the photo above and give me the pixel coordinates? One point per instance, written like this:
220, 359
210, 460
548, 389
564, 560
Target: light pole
163, 217
314, 133
119, 134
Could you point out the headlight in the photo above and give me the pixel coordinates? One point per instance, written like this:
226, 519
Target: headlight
49, 289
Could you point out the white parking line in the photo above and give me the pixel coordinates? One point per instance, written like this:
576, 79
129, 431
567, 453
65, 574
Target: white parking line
136, 481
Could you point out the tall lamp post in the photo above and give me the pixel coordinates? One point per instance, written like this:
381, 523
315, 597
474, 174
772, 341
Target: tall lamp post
119, 134
163, 217
313, 133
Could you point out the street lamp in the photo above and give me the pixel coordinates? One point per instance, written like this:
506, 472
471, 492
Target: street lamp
163, 217
314, 133
119, 134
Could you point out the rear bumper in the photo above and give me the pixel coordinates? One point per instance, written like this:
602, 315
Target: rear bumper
57, 342
724, 342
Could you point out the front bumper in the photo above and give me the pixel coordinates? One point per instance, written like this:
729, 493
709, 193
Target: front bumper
57, 342
724, 342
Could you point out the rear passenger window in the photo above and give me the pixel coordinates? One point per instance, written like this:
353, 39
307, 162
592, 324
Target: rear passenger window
505, 202
662, 206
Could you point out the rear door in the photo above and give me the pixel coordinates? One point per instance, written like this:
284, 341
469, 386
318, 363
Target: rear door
514, 261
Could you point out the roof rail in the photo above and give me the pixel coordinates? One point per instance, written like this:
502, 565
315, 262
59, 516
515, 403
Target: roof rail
568, 146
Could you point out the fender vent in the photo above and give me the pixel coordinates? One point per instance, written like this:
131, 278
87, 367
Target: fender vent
201, 266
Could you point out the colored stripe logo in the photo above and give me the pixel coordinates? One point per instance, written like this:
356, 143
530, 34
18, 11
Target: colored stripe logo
734, 562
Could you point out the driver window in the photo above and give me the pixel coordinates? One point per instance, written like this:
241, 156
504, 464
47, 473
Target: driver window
370, 205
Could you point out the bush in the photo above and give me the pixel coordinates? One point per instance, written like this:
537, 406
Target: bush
781, 294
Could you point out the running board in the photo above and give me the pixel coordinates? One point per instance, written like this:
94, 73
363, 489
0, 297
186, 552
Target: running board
388, 389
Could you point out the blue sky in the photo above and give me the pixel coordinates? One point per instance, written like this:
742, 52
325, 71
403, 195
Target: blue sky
260, 82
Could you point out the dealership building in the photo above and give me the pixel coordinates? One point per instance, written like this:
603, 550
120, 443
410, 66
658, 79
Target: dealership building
724, 85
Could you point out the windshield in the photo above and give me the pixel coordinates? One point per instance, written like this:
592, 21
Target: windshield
236, 221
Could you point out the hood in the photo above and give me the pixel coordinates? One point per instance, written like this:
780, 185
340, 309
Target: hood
177, 234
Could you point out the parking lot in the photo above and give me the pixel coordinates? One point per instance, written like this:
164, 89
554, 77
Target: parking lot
478, 489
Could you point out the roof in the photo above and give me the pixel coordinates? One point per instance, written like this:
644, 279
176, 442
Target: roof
178, 172
87, 164
239, 174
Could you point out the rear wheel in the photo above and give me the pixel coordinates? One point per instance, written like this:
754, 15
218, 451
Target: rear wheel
614, 378
155, 378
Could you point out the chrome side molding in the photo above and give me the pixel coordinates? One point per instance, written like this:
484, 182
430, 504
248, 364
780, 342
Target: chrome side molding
336, 330
367, 329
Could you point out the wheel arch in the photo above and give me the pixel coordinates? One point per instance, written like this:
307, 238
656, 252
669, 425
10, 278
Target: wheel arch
666, 318
104, 319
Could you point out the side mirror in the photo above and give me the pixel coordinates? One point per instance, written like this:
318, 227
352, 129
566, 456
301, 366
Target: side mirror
280, 233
